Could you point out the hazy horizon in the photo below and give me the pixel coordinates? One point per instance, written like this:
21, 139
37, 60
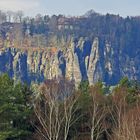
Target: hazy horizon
74, 7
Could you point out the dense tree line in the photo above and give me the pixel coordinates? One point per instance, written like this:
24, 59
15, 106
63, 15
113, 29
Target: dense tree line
57, 110
122, 33
15, 110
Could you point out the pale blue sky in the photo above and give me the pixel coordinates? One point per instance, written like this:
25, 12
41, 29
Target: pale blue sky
73, 7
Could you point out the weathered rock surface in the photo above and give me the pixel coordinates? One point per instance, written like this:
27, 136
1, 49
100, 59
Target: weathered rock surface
77, 60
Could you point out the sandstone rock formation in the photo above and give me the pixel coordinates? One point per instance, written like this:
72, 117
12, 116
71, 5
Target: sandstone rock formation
75, 59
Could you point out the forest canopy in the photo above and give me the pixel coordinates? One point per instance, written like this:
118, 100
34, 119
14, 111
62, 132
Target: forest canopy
57, 110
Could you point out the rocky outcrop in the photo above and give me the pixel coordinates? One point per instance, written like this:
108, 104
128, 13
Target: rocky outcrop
75, 59
93, 61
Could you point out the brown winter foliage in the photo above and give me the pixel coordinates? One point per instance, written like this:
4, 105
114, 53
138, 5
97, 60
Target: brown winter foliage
65, 113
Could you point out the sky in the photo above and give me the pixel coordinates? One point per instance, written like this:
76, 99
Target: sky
72, 7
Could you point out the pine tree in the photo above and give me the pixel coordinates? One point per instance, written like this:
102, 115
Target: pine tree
14, 110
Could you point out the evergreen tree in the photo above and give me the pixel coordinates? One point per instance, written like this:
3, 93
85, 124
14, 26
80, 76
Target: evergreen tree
14, 110
84, 87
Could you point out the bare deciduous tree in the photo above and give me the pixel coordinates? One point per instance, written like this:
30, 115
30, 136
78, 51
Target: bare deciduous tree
71, 106
17, 16
9, 16
20, 15
125, 119
56, 109
2, 17
97, 113
49, 113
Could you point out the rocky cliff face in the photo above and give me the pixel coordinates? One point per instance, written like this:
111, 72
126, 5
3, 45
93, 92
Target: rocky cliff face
77, 60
